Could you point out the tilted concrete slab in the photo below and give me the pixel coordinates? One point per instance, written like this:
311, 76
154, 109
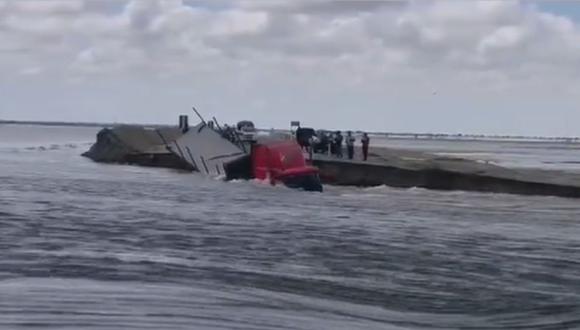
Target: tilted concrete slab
406, 169
206, 150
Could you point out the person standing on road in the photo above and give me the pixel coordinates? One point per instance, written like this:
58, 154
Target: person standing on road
350, 144
339, 139
332, 143
365, 140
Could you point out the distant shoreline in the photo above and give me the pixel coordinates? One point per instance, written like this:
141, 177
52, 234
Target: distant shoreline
404, 136
55, 123
477, 137
69, 124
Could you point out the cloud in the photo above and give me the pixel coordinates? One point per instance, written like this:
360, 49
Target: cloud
478, 36
32, 71
41, 7
321, 7
377, 50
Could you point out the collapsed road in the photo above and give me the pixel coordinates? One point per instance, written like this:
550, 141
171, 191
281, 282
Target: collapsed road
204, 149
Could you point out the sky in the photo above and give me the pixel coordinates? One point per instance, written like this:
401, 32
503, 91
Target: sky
481, 67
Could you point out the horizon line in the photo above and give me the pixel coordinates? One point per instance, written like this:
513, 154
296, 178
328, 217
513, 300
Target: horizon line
394, 134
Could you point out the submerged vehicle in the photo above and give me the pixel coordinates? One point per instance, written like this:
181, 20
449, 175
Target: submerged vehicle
246, 130
304, 136
283, 161
273, 159
323, 144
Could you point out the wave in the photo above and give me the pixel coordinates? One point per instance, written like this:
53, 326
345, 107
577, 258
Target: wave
384, 191
128, 257
45, 147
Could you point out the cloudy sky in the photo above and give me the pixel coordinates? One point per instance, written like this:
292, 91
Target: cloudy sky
492, 67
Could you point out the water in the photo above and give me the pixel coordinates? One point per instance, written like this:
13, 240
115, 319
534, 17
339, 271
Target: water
93, 246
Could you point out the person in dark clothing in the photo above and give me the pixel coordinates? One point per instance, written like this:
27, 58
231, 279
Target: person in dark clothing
332, 143
338, 145
365, 140
228, 133
350, 144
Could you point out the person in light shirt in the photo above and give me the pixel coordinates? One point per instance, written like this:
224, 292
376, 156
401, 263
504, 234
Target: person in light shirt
350, 144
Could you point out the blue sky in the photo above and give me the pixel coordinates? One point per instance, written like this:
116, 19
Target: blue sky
570, 9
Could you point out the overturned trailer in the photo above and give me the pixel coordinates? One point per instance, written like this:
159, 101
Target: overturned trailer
278, 161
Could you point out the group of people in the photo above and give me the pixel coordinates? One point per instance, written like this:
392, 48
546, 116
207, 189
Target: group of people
333, 143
